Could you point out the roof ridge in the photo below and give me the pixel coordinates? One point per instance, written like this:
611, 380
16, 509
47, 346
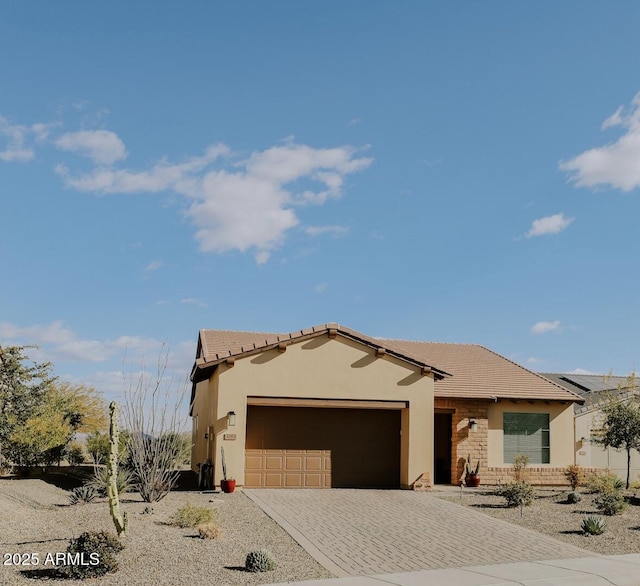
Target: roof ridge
430, 342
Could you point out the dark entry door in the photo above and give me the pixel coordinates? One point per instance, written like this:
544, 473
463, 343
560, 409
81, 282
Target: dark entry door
442, 448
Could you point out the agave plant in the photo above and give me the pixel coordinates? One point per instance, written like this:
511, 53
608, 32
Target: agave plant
86, 493
593, 525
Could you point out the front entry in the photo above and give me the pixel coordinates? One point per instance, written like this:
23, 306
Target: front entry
312, 447
442, 447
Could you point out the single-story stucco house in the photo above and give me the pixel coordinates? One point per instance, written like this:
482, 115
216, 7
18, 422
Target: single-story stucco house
328, 406
597, 391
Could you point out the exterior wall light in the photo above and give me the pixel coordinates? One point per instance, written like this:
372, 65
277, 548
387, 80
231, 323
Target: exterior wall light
473, 425
232, 418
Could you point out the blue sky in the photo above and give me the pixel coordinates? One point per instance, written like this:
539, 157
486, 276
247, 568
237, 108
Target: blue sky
459, 172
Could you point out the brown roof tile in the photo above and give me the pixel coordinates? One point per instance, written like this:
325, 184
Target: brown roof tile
477, 372
482, 373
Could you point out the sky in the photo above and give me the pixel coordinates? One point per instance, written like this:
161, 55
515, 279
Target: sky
457, 172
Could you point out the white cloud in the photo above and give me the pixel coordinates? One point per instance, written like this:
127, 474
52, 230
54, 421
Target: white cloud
544, 327
321, 287
616, 164
249, 206
103, 147
319, 230
262, 257
193, 301
15, 136
57, 342
534, 360
581, 371
161, 177
614, 120
549, 225
154, 265
235, 205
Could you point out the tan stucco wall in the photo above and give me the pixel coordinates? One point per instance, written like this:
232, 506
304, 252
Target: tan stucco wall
321, 368
561, 440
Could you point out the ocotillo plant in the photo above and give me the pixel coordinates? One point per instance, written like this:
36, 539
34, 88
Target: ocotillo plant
119, 519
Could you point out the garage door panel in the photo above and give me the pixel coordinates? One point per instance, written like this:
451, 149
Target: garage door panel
322, 447
253, 462
272, 462
293, 463
253, 479
293, 480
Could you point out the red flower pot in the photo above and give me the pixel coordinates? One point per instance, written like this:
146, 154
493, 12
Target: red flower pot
228, 485
472, 480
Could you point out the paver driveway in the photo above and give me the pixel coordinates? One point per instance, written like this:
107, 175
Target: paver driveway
352, 532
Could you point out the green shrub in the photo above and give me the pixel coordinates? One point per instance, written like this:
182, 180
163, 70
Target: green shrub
574, 497
97, 548
517, 493
593, 525
190, 516
74, 454
604, 483
83, 494
610, 503
261, 560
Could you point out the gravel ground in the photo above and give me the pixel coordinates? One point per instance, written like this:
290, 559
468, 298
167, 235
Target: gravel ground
551, 514
36, 517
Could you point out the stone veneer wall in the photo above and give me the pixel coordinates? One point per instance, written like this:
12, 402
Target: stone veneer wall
538, 475
464, 443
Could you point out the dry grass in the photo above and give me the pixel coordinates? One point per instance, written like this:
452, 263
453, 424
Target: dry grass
551, 514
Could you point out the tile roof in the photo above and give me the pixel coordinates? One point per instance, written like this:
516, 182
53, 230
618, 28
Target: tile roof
477, 372
480, 373
215, 346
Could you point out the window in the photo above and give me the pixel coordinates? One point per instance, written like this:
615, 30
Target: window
527, 434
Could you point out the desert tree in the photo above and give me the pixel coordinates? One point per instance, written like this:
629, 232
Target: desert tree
63, 410
22, 388
153, 419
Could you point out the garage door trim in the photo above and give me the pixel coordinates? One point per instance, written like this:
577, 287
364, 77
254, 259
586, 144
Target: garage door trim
329, 403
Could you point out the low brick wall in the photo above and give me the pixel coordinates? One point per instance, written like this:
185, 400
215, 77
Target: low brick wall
537, 475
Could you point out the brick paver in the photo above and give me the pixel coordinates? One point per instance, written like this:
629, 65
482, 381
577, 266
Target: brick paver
355, 532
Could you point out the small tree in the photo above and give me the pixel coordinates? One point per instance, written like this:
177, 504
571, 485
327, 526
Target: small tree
621, 425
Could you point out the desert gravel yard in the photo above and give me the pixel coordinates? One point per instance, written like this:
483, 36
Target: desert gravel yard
36, 517
551, 514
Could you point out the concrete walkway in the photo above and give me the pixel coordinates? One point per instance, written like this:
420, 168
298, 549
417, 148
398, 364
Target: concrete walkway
373, 532
619, 570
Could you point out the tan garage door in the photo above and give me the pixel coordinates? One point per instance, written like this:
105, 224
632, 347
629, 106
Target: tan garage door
304, 447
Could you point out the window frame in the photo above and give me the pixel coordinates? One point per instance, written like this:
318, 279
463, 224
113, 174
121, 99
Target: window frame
538, 454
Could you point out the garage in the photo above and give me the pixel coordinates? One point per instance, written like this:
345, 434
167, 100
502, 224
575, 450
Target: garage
322, 447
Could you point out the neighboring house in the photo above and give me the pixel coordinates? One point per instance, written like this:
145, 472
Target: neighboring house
331, 407
597, 390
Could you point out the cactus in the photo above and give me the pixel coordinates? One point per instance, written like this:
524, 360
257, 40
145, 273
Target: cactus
593, 526
119, 519
224, 464
261, 560
469, 467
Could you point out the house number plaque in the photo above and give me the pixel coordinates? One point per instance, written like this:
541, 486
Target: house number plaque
229, 436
